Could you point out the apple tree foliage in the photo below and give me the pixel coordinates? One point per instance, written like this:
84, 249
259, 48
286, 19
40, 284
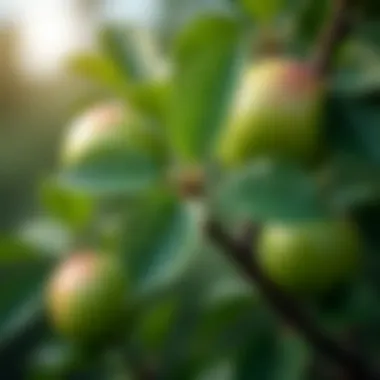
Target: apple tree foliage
238, 127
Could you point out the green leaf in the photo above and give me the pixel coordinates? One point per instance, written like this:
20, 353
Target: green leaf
20, 282
364, 314
176, 361
20, 277
51, 360
46, 236
359, 74
118, 45
309, 20
351, 181
223, 278
71, 207
215, 313
117, 169
56, 359
221, 370
21, 268
228, 316
368, 34
150, 98
97, 69
216, 309
258, 357
13, 250
159, 239
154, 324
360, 82
269, 190
207, 56
294, 357
225, 323
353, 126
262, 11
230, 289
20, 333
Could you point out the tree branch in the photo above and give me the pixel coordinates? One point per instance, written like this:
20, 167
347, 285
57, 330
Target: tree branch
241, 254
333, 35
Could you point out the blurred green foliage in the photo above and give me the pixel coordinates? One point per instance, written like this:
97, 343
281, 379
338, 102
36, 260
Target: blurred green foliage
191, 313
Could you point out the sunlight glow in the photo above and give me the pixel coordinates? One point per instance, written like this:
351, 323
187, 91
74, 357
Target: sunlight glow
51, 29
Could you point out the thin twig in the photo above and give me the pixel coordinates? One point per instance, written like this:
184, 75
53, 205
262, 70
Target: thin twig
335, 32
287, 307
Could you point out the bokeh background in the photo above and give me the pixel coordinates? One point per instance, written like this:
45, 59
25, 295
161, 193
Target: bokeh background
38, 96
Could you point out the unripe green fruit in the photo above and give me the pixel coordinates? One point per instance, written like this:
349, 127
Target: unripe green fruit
309, 257
85, 296
276, 113
107, 133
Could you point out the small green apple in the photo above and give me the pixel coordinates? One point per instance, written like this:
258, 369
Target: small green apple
309, 257
276, 113
108, 132
85, 296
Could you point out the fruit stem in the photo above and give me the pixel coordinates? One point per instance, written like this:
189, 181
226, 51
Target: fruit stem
240, 252
334, 34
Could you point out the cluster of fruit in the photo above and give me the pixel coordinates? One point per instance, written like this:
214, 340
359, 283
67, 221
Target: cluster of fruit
277, 112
